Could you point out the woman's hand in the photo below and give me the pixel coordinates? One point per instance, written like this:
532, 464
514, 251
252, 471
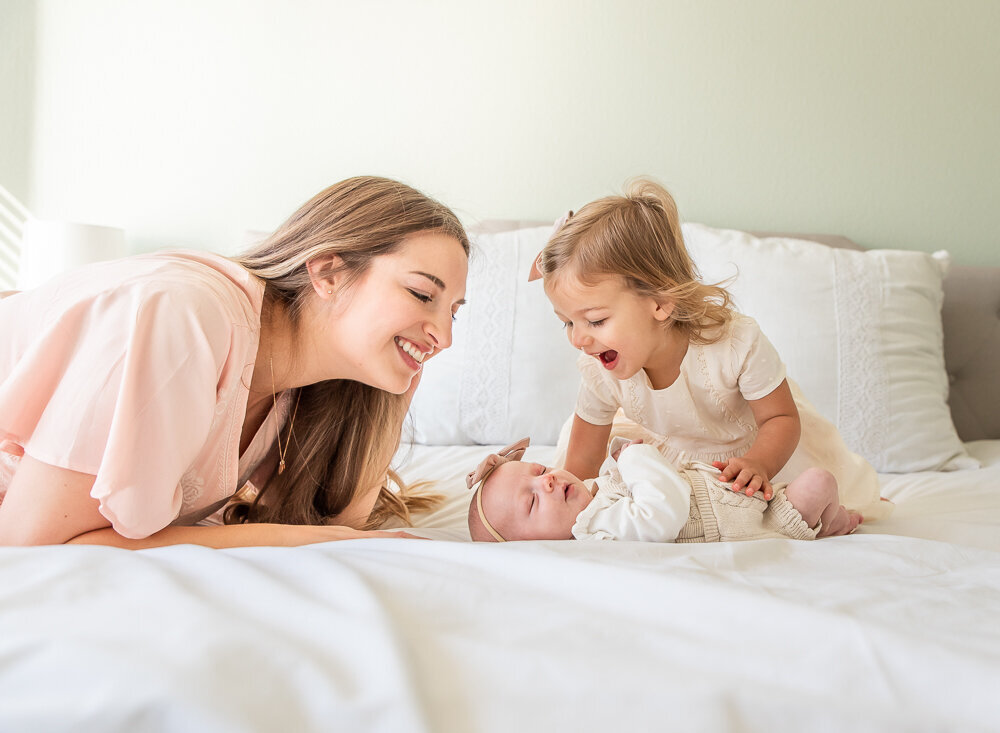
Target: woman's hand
748, 476
307, 535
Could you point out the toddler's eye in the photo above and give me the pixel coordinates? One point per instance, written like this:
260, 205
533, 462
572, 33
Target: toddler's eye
420, 296
595, 324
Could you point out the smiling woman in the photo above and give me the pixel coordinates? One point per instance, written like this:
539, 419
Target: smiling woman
262, 397
380, 328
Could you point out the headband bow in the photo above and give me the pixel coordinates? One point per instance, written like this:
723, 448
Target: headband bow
477, 477
562, 220
536, 266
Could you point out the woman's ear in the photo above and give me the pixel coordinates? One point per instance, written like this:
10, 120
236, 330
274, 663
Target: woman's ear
664, 309
325, 274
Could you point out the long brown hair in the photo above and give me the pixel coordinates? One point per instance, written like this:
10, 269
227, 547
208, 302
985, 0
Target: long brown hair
345, 432
638, 237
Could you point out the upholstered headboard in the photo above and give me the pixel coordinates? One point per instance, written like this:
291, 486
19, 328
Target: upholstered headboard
971, 317
971, 322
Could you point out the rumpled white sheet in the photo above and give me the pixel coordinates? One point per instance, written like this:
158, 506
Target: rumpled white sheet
873, 632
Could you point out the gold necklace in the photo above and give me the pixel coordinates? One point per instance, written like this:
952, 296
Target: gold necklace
291, 423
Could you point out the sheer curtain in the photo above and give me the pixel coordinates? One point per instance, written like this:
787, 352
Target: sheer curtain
13, 215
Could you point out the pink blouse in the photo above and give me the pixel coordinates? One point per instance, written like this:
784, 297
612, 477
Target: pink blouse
136, 371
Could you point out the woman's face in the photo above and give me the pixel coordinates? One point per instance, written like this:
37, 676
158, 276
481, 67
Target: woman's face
398, 314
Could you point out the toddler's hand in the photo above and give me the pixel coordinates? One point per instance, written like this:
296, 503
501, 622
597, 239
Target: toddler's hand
623, 447
747, 476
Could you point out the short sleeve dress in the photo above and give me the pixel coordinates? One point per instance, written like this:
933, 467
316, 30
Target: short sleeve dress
136, 371
705, 416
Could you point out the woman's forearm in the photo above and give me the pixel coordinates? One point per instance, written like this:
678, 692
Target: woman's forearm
234, 535
230, 535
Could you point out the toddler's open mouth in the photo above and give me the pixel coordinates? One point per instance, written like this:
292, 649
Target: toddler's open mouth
608, 358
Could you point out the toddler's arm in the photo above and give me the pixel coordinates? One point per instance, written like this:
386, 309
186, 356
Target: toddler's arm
778, 428
588, 444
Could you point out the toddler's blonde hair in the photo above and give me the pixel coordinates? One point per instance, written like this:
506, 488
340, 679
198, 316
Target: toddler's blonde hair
638, 237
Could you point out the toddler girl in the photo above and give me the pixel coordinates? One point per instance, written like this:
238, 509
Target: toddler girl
688, 373
640, 496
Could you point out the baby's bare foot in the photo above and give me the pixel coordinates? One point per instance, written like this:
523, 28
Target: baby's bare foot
842, 522
855, 520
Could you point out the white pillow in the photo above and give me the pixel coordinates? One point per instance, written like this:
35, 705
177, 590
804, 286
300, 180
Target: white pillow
510, 371
860, 331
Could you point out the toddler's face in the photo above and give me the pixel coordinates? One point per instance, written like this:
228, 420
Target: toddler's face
610, 322
526, 501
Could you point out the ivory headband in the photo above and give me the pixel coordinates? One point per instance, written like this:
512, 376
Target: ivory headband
477, 477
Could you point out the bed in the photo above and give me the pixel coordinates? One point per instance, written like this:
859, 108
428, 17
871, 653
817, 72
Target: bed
892, 628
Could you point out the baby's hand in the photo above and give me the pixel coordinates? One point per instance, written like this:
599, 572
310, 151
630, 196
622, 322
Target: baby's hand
747, 476
623, 447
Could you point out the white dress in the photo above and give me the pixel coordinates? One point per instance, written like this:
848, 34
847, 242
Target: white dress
705, 415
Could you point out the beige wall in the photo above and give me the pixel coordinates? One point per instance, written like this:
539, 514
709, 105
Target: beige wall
187, 121
17, 64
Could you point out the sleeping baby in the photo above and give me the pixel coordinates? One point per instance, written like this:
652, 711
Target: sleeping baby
640, 496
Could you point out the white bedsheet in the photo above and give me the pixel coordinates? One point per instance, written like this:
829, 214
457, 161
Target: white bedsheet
893, 628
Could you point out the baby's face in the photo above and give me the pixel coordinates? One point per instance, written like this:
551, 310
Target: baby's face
527, 501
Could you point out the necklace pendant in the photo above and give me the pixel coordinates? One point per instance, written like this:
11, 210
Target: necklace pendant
281, 467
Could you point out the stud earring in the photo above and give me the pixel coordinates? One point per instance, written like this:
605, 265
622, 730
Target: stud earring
329, 292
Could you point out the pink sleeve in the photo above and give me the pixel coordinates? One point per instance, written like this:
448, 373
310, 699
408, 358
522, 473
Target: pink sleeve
123, 386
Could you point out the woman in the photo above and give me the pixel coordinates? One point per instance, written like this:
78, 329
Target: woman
137, 396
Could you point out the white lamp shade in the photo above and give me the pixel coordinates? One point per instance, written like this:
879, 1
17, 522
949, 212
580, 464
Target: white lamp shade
49, 248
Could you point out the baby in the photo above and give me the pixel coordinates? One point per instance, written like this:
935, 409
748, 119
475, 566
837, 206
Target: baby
640, 496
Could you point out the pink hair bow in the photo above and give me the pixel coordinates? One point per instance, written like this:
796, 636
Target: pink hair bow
481, 472
562, 220
536, 266
512, 452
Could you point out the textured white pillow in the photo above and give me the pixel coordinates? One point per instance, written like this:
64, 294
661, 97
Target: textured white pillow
860, 331
510, 371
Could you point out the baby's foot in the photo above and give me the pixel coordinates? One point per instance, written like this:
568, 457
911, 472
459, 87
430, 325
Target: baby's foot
843, 522
854, 520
